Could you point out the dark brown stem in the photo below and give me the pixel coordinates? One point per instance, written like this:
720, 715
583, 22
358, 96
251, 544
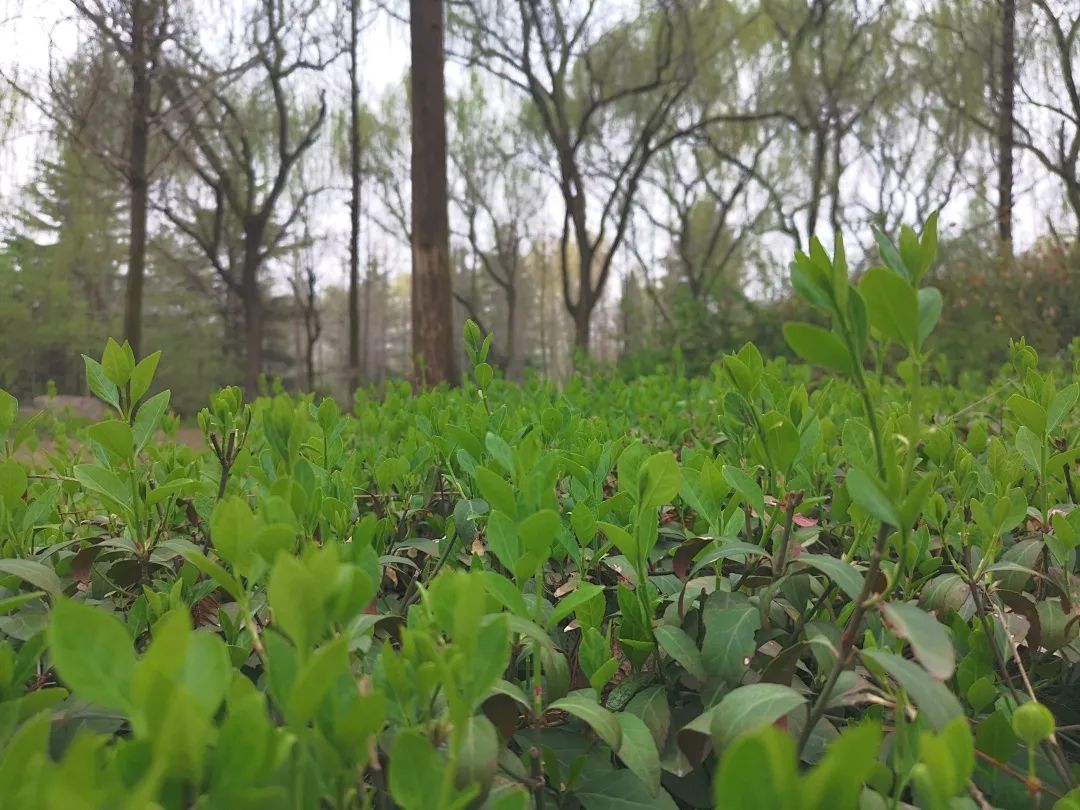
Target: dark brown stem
1069, 483
847, 640
780, 560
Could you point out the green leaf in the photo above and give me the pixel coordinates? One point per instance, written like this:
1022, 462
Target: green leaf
484, 374
949, 758
103, 388
22, 764
729, 641
114, 435
148, 418
758, 772
844, 574
15, 602
817, 345
216, 572
724, 549
496, 492
849, 761
622, 539
930, 305
871, 496
584, 593
1030, 448
676, 643
1031, 414
316, 677
491, 656
933, 699
582, 705
292, 594
812, 283
93, 653
143, 375
928, 637
995, 737
910, 249
37, 574
928, 242
502, 539
890, 256
13, 481
415, 771
892, 304
505, 592
106, 484
9, 411
389, 472
117, 363
478, 759
751, 707
501, 451
659, 480
618, 790
537, 532
747, 487
232, 531
1063, 402
651, 705
638, 751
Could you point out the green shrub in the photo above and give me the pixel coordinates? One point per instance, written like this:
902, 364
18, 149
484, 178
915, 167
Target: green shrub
777, 586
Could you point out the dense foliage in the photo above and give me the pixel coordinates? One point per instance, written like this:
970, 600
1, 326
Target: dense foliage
763, 588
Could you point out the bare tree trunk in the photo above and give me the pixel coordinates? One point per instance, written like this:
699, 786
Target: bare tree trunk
1006, 139
817, 178
515, 360
432, 314
253, 327
253, 314
543, 312
354, 202
370, 281
582, 329
138, 183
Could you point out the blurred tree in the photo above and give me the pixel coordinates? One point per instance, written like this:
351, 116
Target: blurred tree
608, 94
137, 32
241, 141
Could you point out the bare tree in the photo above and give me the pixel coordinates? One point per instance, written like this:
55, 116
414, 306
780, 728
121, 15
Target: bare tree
1040, 110
608, 96
137, 31
498, 199
241, 142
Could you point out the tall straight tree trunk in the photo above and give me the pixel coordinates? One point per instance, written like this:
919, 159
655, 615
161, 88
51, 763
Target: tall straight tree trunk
543, 310
586, 302
370, 281
515, 360
582, 332
253, 329
817, 178
432, 313
1006, 140
354, 202
251, 301
138, 182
